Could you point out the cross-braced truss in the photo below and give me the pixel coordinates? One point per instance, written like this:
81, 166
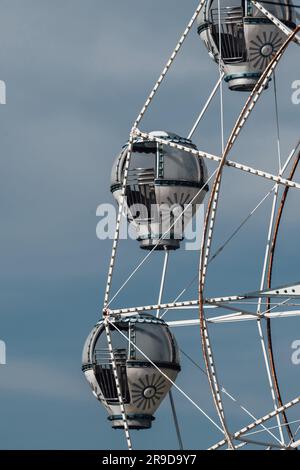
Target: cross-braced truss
281, 302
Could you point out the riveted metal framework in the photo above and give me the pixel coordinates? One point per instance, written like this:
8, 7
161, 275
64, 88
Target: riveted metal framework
226, 26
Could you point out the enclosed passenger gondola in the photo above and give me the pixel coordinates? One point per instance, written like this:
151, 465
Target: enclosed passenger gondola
143, 386
162, 181
243, 38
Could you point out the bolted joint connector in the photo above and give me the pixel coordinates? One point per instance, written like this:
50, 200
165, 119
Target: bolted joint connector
134, 132
106, 312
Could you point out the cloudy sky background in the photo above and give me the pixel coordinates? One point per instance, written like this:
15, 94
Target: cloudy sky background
77, 74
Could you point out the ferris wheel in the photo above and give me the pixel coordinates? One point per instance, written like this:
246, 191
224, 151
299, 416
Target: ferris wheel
131, 358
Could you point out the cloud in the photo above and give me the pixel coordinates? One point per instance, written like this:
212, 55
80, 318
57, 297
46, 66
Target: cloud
29, 376
77, 74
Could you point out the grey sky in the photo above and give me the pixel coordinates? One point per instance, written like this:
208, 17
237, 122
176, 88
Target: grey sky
77, 73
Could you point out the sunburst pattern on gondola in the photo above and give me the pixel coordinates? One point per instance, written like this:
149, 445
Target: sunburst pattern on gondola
148, 391
182, 200
263, 48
